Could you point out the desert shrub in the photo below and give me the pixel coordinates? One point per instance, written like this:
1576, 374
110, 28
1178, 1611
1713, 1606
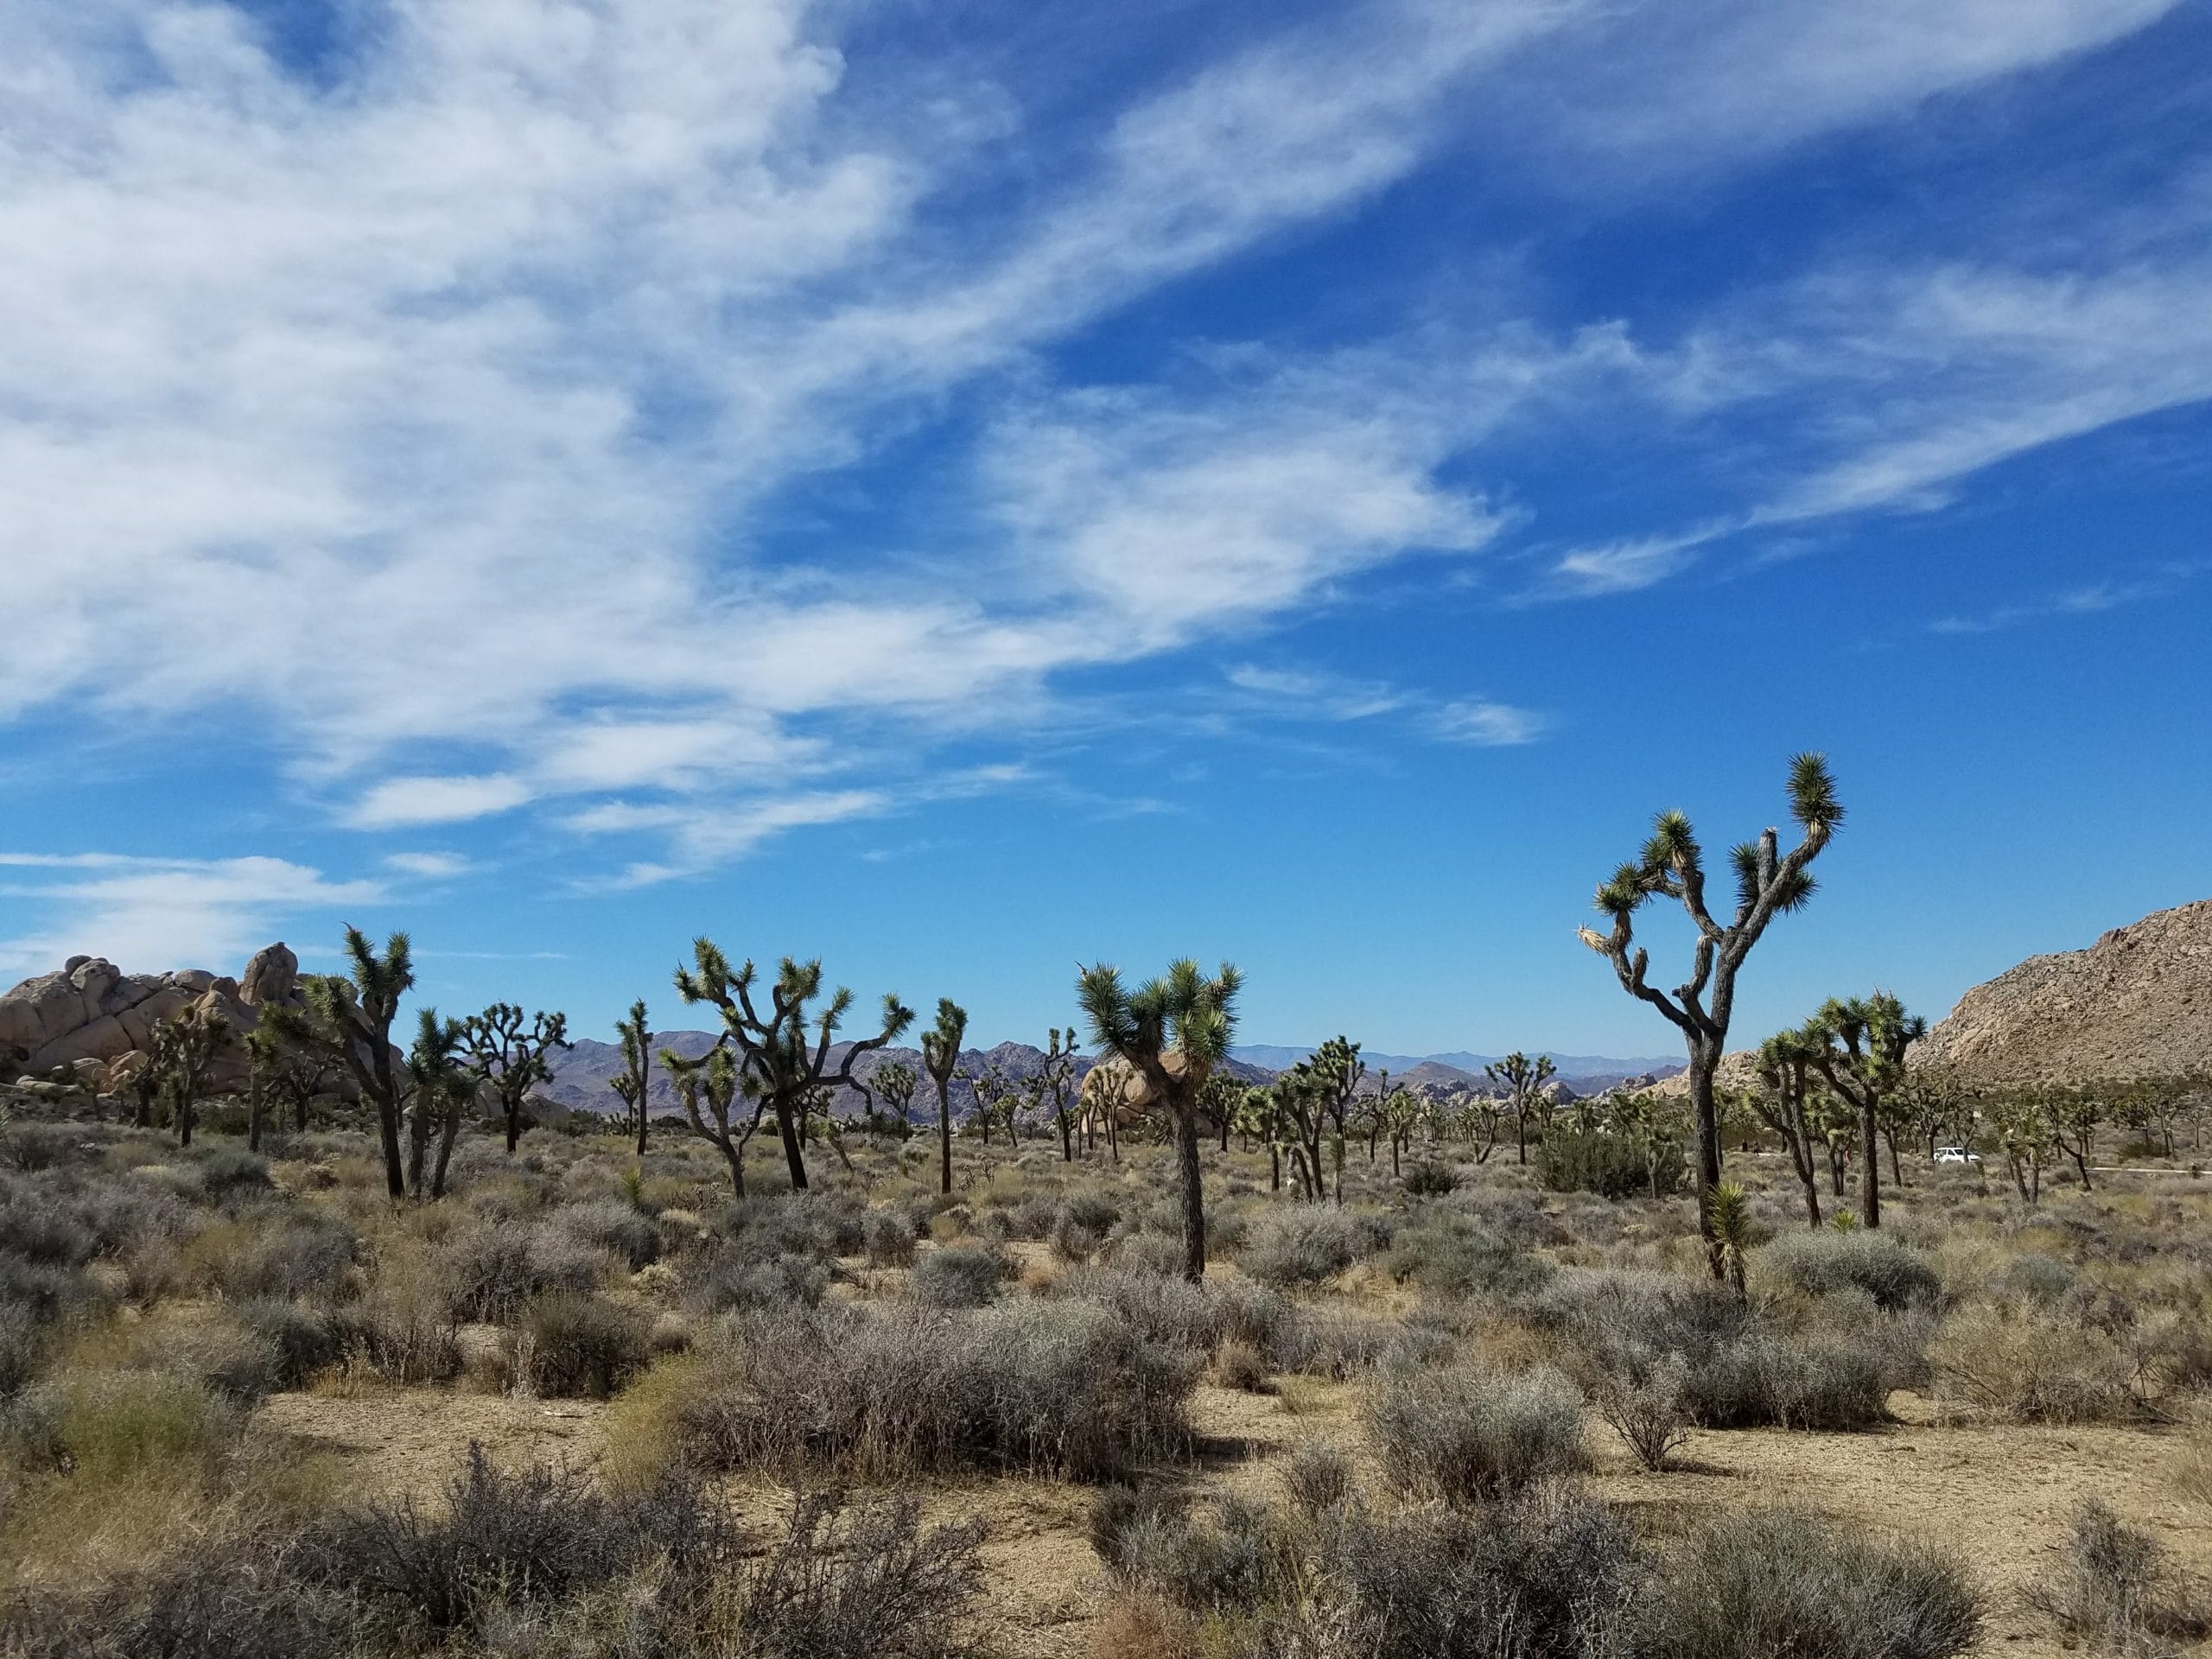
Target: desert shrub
1147, 1253
1771, 1584
1237, 1364
308, 1253
298, 1342
2033, 1365
1338, 1343
115, 1426
1218, 1559
1071, 1240
887, 1238
732, 1280
41, 1222
41, 1292
1895, 1275
1641, 1395
30, 1146
22, 1347
860, 1584
494, 1272
232, 1173
621, 1230
579, 1347
216, 1595
1451, 1254
1463, 1435
1742, 1370
538, 1536
959, 1276
2034, 1277
1043, 1385
1541, 1575
1301, 1245
2112, 1585
1607, 1165
1093, 1211
1431, 1178
404, 1326
1318, 1476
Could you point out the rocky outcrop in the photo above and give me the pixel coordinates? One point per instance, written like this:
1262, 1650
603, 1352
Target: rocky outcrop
98, 1021
2137, 1003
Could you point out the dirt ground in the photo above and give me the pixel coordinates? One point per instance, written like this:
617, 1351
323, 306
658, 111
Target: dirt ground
1999, 1495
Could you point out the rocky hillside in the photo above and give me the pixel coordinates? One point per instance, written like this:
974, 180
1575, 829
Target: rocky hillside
2136, 1003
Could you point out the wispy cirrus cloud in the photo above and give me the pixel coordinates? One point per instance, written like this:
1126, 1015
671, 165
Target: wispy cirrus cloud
158, 913
457, 393
2092, 599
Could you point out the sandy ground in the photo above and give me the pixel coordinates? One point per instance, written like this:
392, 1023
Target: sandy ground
1999, 1495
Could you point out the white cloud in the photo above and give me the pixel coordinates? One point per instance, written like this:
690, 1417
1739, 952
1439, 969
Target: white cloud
399, 801
1325, 697
151, 915
438, 411
705, 835
432, 867
1489, 725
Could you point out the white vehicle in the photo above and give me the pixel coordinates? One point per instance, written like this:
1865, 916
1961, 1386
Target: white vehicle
1956, 1155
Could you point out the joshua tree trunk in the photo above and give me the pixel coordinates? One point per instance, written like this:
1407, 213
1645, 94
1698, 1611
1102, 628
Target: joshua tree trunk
1274, 1168
1870, 1169
943, 1138
794, 1153
1194, 1208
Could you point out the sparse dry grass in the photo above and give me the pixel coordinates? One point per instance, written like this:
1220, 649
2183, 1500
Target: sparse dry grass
157, 1298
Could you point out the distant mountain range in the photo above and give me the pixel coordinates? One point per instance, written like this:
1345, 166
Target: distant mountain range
583, 1076
1577, 1075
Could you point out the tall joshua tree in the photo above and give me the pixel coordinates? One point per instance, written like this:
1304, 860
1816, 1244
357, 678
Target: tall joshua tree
348, 1022
1057, 1079
1523, 1081
714, 1080
1858, 1045
635, 1082
778, 1061
1671, 865
1786, 1066
941, 1057
513, 1056
1174, 1031
443, 1084
1323, 1087
185, 1045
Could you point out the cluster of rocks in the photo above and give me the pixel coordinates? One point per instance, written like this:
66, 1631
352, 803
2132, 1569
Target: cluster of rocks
93, 1025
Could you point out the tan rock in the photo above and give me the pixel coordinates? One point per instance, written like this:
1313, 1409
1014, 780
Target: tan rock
273, 975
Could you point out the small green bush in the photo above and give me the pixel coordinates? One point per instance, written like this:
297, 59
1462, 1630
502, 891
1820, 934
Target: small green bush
581, 1346
1464, 1434
1607, 1165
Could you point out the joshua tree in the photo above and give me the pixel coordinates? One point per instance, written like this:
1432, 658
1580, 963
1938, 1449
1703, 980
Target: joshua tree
1785, 1063
2023, 1131
443, 1084
1222, 1094
1400, 1111
513, 1058
997, 1098
1523, 1081
185, 1045
348, 1023
1260, 1114
264, 1052
1174, 1031
776, 1060
1858, 1045
714, 1079
1671, 865
632, 1084
2073, 1116
1324, 1086
895, 1082
941, 1056
1057, 1080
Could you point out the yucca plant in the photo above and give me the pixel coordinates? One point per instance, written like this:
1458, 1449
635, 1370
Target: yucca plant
1858, 1045
1728, 1220
441, 1085
633, 1085
512, 1054
1671, 865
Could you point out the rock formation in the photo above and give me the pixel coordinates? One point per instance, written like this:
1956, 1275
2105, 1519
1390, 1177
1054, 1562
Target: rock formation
98, 1021
2137, 1003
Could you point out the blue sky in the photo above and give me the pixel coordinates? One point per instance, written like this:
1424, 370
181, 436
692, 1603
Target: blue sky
959, 490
